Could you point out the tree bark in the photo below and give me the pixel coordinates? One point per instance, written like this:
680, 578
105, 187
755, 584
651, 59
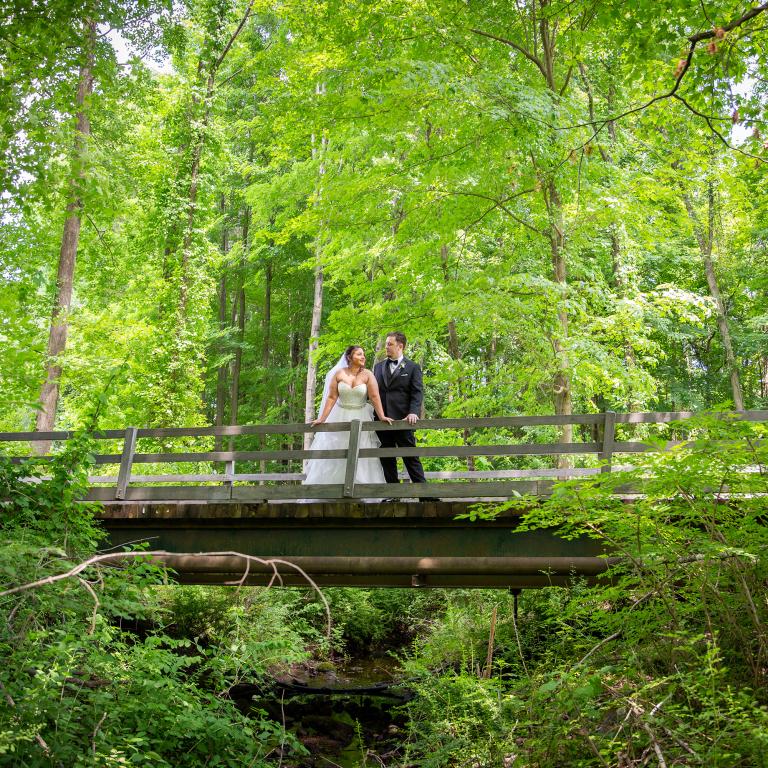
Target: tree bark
267, 319
454, 350
238, 310
57, 336
705, 236
314, 332
221, 378
561, 384
317, 304
562, 381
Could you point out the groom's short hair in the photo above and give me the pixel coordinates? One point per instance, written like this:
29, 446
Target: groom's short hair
399, 337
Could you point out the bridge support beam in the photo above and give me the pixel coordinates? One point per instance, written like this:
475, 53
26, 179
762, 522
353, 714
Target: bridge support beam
352, 543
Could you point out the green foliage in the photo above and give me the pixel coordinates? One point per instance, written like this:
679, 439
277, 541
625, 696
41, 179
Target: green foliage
79, 687
662, 656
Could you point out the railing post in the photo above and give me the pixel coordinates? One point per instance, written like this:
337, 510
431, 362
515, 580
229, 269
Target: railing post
609, 433
126, 462
352, 455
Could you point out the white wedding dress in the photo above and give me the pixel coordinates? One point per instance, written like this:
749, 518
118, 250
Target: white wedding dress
352, 404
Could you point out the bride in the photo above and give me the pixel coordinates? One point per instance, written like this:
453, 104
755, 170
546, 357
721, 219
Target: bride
348, 387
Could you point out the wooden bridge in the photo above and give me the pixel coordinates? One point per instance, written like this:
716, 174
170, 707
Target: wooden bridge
250, 499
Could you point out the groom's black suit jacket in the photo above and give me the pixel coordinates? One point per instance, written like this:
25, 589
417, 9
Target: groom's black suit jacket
401, 392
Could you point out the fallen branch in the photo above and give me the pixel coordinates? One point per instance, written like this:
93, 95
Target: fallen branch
159, 554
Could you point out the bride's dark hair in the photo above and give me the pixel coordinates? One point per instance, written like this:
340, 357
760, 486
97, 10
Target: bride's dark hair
348, 352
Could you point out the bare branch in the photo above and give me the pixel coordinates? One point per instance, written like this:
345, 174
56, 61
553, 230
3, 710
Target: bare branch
512, 44
683, 67
96, 604
233, 37
709, 120
159, 554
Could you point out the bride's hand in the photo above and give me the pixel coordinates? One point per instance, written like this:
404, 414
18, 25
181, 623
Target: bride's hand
387, 419
315, 423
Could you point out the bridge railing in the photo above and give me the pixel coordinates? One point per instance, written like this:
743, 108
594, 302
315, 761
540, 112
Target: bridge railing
230, 485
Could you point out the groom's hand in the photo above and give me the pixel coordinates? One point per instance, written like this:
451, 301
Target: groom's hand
411, 418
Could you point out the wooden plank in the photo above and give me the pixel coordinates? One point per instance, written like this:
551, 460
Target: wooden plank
506, 474
126, 462
394, 490
288, 492
164, 493
497, 474
664, 417
245, 429
454, 490
638, 447
609, 435
35, 437
522, 449
352, 454
488, 422
202, 478
161, 458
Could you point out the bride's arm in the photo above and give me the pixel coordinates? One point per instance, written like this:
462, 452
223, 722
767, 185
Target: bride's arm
375, 398
333, 396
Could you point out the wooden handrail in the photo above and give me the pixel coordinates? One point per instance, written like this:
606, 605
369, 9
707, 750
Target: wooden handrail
493, 483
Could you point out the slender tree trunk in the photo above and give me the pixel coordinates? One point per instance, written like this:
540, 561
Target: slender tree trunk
221, 378
705, 238
238, 311
57, 336
317, 304
314, 333
454, 349
562, 380
267, 320
561, 384
194, 173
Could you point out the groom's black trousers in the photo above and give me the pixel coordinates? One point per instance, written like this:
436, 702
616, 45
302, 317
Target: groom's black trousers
400, 438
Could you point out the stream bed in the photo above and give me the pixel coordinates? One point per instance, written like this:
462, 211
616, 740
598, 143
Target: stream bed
338, 725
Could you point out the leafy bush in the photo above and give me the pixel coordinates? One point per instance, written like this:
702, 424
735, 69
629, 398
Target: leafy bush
662, 661
77, 689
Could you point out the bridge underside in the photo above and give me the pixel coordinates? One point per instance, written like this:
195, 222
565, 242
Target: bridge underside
396, 544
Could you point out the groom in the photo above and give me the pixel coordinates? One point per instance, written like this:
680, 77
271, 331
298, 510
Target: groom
402, 393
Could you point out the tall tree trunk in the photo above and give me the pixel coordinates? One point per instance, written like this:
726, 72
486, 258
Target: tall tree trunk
238, 313
562, 381
267, 319
454, 349
317, 303
221, 378
57, 336
314, 332
194, 173
705, 235
561, 384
